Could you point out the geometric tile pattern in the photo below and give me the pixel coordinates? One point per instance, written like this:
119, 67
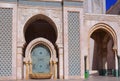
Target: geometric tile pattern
73, 43
40, 59
6, 41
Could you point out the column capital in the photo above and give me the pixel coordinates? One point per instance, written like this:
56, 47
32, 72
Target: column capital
19, 50
59, 45
25, 60
20, 45
25, 63
29, 62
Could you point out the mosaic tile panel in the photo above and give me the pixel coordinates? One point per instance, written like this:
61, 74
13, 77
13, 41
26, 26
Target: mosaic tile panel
73, 44
40, 59
6, 41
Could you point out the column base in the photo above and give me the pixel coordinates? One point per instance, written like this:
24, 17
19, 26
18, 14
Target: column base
86, 75
116, 73
103, 72
119, 72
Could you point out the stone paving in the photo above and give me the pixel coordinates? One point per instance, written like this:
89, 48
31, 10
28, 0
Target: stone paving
98, 78
101, 78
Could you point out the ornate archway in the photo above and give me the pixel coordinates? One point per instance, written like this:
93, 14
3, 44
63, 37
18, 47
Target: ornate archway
40, 26
29, 63
52, 34
108, 29
106, 36
40, 17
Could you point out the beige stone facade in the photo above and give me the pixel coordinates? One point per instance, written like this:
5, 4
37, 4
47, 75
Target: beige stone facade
72, 30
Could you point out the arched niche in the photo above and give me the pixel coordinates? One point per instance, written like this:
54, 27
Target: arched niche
107, 28
28, 60
40, 26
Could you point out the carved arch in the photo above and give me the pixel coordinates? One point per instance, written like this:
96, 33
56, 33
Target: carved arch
107, 28
42, 17
53, 59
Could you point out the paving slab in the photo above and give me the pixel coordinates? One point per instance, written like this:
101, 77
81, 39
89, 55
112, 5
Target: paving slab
98, 78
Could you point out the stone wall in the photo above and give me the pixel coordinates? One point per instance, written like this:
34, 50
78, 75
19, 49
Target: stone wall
95, 6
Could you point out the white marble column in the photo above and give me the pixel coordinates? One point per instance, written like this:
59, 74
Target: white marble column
55, 70
116, 64
60, 53
19, 63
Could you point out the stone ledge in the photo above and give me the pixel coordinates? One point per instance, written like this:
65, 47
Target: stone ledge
102, 17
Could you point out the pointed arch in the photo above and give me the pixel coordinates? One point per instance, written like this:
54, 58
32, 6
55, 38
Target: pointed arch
43, 41
107, 28
40, 17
